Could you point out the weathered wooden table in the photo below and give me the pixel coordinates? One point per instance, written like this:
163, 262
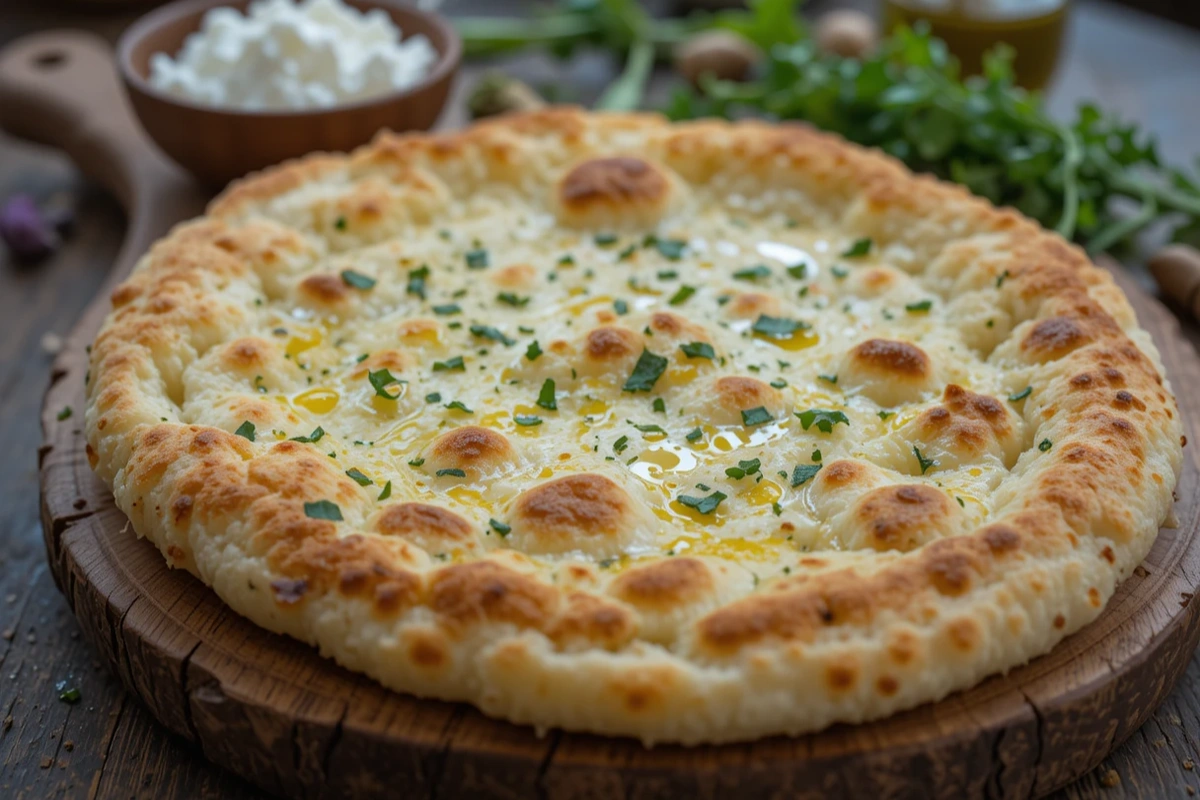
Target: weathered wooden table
107, 745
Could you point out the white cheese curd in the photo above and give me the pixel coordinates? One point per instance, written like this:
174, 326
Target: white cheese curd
285, 55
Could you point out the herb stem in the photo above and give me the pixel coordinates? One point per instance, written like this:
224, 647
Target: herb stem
1072, 158
625, 93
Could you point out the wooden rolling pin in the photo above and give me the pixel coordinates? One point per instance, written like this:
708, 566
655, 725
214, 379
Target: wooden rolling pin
1176, 269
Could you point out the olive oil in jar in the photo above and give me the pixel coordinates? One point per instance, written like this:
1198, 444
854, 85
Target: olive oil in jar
1034, 29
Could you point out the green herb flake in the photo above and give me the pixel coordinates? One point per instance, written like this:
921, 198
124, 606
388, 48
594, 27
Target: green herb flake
1021, 395
757, 272
803, 473
416, 462
323, 509
511, 299
65, 413
777, 327
885, 414
499, 527
671, 249
245, 430
682, 295
355, 475
839, 272
925, 463
646, 372
667, 274
451, 472
458, 405
779, 383
433, 397
1045, 445
357, 280
380, 381
604, 239
627, 252
477, 259
743, 469
919, 308
416, 281
621, 307
620, 444
1001, 278
659, 405
70, 695
447, 309
649, 428
756, 416
387, 491
527, 420
694, 435
961, 504
566, 260
828, 379
491, 334
798, 271
702, 505
312, 438
698, 350
860, 248
546, 398
340, 223
823, 420
449, 365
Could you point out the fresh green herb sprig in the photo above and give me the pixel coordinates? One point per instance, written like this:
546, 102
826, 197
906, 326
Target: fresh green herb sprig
984, 132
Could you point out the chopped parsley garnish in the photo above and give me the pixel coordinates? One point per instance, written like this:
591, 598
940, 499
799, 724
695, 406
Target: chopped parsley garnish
65, 413
449, 364
605, 239
803, 473
645, 373
546, 398
1001, 278
860, 248
925, 463
671, 249
754, 273
698, 350
499, 527
777, 327
340, 223
667, 274
681, 295
779, 383
459, 405
416, 462
961, 504
358, 477
245, 430
381, 380
526, 420
620, 444
492, 334
323, 509
416, 281
918, 308
312, 438
627, 252
824, 420
885, 414
756, 416
703, 505
621, 307
1021, 395
71, 695
513, 300
798, 271
839, 272
778, 509
743, 469
651, 428
1045, 445
829, 379
433, 397
477, 259
452, 472
447, 309
357, 280
387, 491
694, 435
659, 405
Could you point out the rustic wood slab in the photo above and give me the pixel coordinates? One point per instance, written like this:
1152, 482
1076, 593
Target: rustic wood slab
271, 709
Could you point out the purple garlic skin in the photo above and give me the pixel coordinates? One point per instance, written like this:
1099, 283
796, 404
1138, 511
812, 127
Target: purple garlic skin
26, 231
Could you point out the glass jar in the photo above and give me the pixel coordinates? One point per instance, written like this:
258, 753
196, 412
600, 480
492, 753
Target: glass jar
1034, 29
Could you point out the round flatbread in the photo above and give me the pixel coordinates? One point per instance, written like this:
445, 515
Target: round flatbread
695, 432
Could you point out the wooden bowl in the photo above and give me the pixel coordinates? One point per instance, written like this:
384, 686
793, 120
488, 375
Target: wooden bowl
219, 144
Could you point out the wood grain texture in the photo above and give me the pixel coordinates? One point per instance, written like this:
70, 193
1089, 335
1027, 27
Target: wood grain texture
1137, 66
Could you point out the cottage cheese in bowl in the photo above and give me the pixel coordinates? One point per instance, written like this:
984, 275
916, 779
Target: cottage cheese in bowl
282, 55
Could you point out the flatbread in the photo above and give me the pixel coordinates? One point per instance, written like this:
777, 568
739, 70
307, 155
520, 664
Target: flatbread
690, 432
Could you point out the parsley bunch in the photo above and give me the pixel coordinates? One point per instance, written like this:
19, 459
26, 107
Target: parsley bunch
1095, 180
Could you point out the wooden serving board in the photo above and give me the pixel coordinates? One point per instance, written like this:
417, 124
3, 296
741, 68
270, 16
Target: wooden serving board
272, 710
